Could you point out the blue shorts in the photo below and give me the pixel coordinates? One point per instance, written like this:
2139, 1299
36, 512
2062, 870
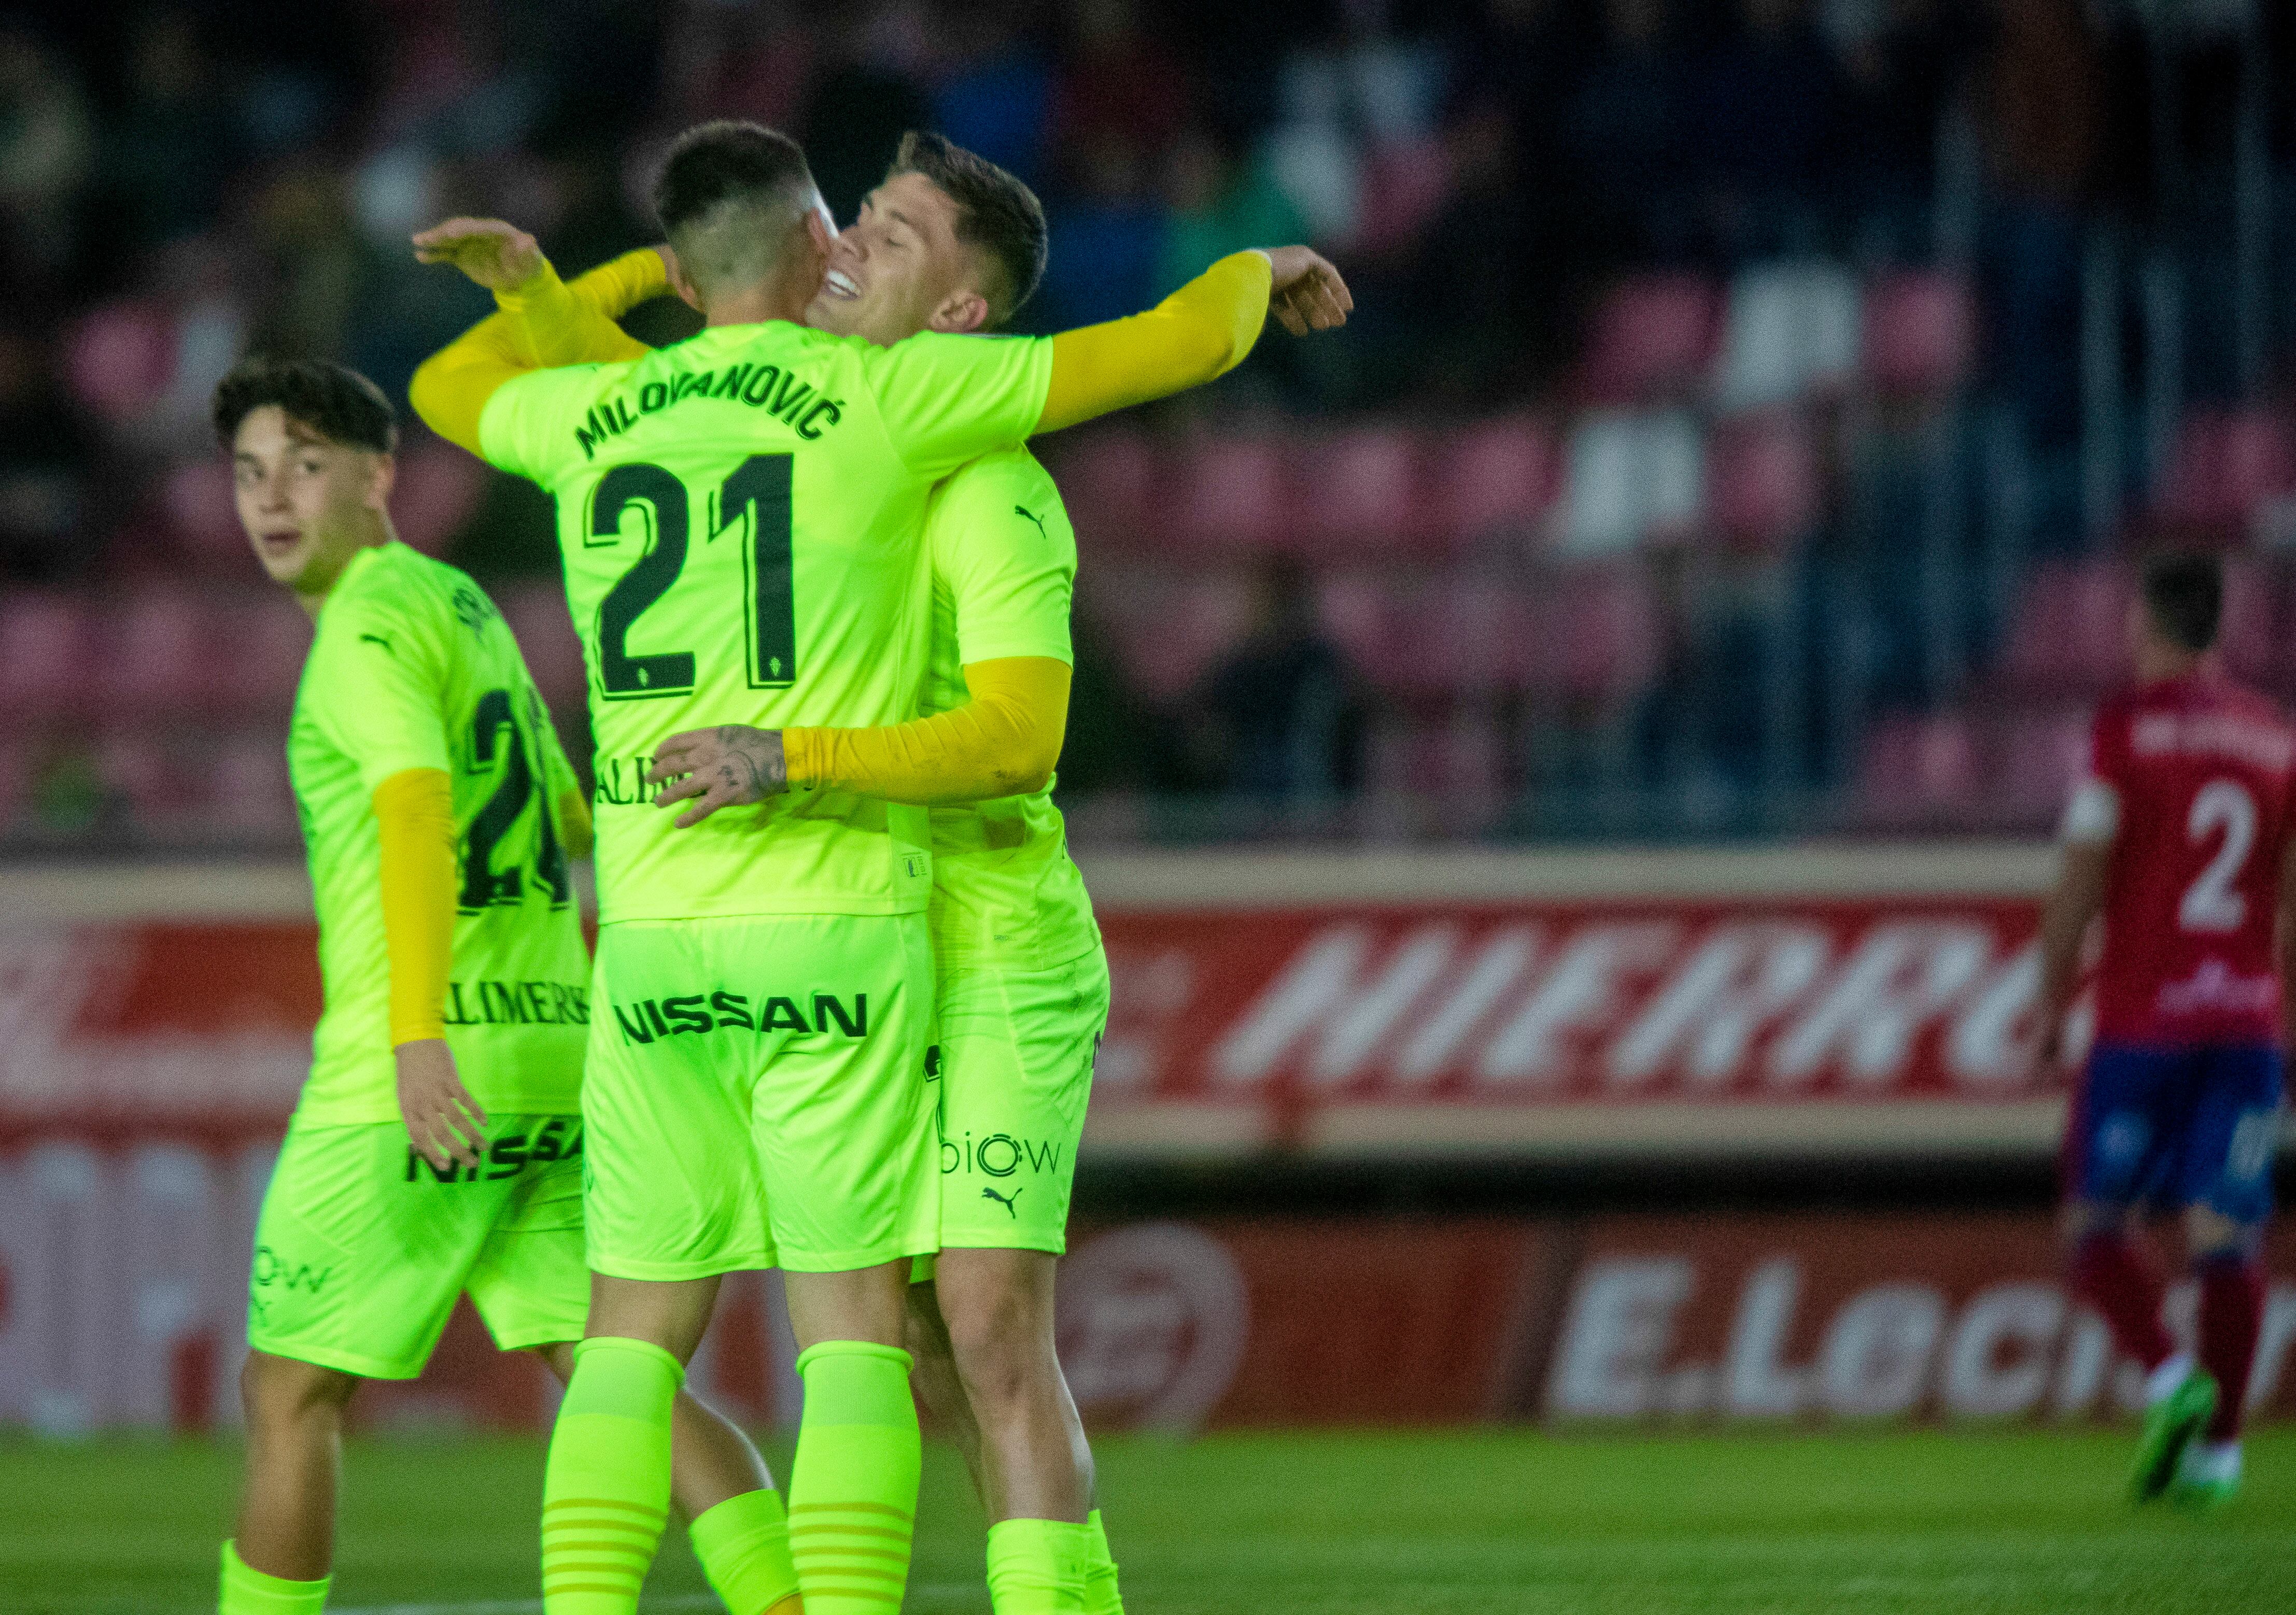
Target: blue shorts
2163, 1128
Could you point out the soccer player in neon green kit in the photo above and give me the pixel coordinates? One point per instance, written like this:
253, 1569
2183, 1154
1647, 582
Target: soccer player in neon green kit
951, 242
934, 404
436, 1145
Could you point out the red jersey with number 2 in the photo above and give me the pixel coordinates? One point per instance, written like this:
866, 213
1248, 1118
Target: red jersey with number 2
2202, 772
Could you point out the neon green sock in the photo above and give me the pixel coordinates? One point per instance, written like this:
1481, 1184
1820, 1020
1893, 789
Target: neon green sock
1036, 1567
853, 1484
743, 1545
245, 1590
1100, 1594
606, 1490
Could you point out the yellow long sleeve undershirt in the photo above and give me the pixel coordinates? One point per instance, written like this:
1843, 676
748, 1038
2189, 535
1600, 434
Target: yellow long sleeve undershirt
414, 817
538, 325
1197, 334
1003, 741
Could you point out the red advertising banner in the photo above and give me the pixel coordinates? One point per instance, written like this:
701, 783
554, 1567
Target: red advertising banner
123, 1282
1826, 1023
1296, 1018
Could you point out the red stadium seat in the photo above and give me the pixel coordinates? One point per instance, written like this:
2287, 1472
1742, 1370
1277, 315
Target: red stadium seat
46, 655
2248, 631
1112, 483
1474, 636
1404, 188
2036, 758
268, 639
2068, 633
137, 771
2226, 465
1370, 620
1918, 767
439, 488
249, 798
1360, 491
1650, 340
1170, 627
537, 618
202, 513
1494, 476
121, 357
1761, 481
1594, 635
1233, 493
162, 653
1921, 333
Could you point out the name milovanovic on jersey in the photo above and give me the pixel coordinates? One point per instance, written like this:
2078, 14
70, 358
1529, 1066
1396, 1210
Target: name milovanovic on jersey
742, 517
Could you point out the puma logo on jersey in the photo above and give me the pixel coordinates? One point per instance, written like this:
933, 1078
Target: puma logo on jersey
1022, 510
1005, 1201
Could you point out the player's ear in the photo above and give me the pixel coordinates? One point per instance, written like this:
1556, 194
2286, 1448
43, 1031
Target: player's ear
683, 284
820, 229
961, 314
382, 476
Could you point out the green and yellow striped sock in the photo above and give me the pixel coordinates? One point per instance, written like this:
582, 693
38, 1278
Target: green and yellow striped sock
1036, 1567
244, 1590
1100, 1594
605, 1491
743, 1545
853, 1484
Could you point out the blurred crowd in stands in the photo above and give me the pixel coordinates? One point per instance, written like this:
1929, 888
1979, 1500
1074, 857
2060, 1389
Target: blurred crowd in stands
1734, 387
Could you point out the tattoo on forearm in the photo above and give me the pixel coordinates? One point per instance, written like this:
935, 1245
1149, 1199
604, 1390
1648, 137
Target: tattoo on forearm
753, 768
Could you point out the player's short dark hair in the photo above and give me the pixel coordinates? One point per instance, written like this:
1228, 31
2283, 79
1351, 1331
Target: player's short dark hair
729, 161
332, 399
2183, 597
996, 216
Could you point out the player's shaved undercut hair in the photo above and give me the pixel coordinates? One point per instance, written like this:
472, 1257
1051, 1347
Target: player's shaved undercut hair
2184, 598
333, 400
998, 216
728, 197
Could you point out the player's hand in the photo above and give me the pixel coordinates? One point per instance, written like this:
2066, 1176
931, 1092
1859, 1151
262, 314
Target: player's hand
1305, 293
500, 256
444, 1123
728, 766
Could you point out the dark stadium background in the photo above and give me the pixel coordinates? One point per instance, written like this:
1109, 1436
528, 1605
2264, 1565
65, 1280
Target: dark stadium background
1708, 534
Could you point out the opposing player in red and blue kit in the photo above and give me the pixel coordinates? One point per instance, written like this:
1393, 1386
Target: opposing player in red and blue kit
2180, 837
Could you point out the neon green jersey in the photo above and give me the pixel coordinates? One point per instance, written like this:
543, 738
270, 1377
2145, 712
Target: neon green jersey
743, 520
1004, 569
412, 668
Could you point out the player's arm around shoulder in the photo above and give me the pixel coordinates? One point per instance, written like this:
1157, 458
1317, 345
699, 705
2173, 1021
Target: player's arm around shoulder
1198, 333
540, 323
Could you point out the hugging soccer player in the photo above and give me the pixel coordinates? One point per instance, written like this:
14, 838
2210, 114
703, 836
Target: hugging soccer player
436, 1147
2180, 838
819, 454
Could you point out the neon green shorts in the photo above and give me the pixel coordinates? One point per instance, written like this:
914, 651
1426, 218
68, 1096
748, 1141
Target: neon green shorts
361, 1248
1016, 1051
756, 1096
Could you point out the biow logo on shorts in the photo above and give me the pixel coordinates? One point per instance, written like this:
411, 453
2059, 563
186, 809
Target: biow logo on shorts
694, 1014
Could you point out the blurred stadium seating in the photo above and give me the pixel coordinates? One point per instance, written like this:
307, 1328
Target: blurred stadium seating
1805, 495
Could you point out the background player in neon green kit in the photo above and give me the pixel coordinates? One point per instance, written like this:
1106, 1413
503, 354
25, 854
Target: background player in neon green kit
826, 556
438, 1143
951, 242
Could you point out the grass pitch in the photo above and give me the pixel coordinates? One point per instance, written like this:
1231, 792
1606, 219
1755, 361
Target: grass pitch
1290, 1524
